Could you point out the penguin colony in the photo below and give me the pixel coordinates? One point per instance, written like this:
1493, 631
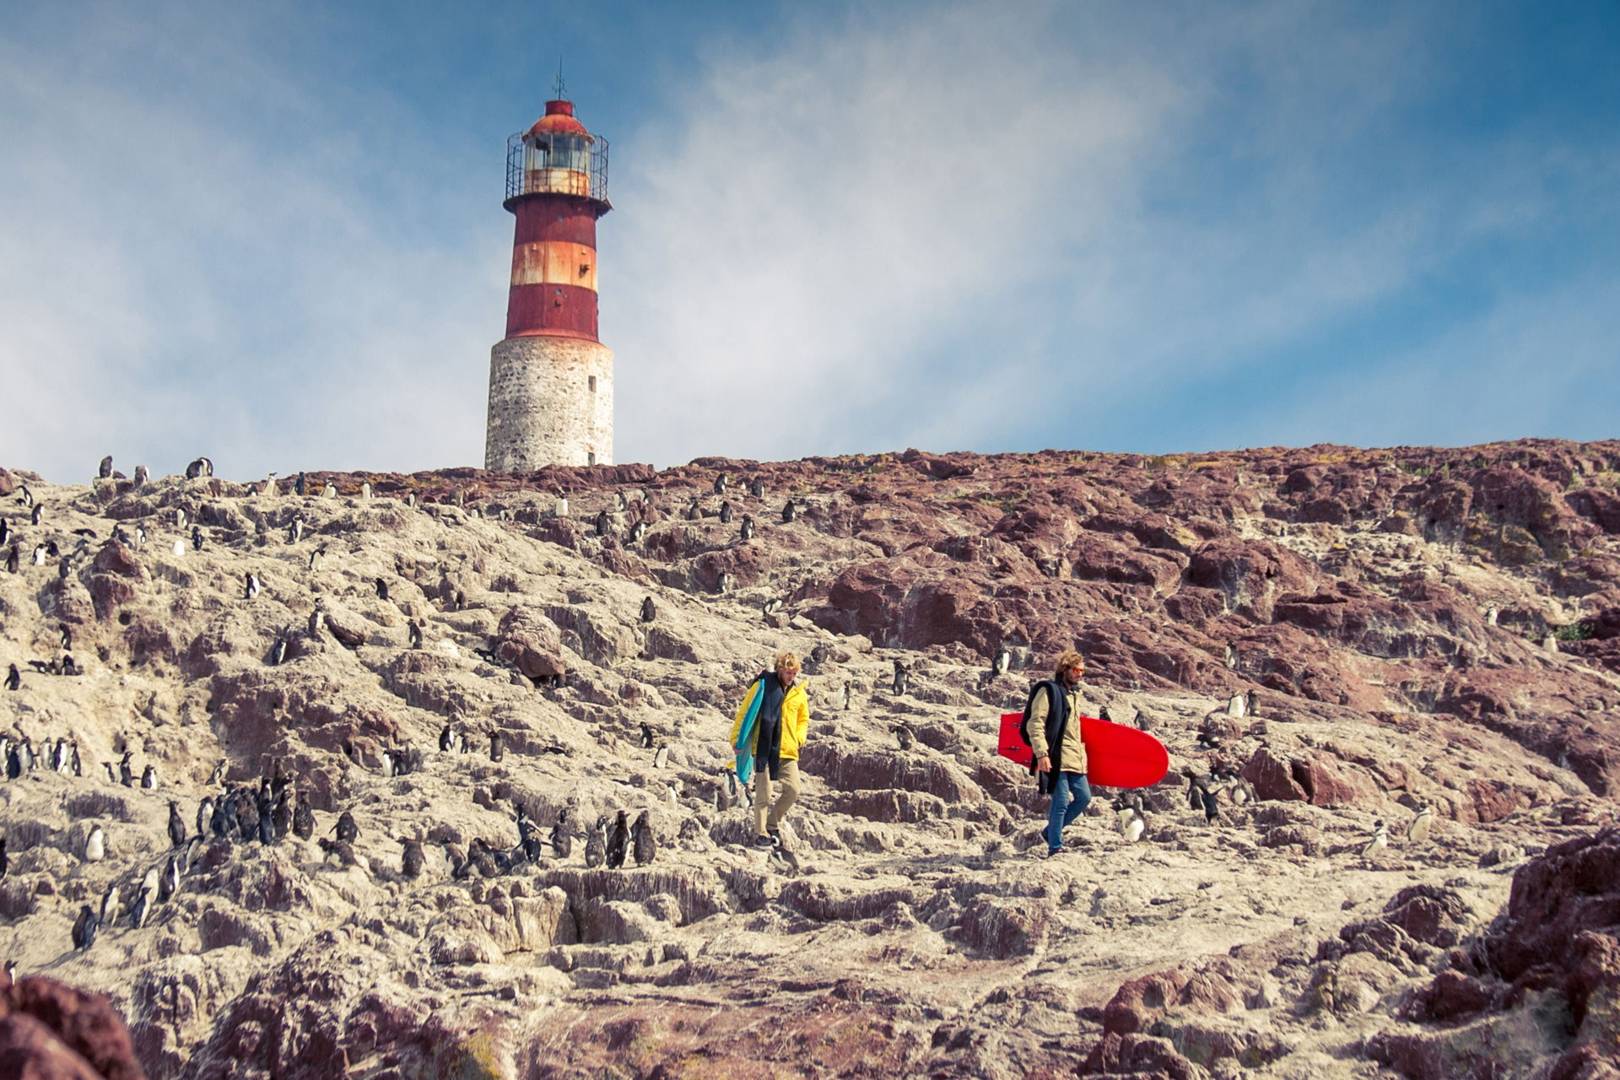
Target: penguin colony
241, 807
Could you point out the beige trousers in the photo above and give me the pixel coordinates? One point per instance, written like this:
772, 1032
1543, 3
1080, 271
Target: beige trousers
766, 816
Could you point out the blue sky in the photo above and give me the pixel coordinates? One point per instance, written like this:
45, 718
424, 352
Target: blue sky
275, 236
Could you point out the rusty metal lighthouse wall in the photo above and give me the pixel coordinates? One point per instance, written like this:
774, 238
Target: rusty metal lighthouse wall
550, 379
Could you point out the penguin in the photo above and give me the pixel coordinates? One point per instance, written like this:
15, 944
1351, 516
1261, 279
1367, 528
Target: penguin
104, 470
149, 779
36, 514
725, 581
84, 928
412, 860
109, 904
346, 829
637, 532
12, 560
5, 860
179, 549
140, 908
596, 843
217, 775
1417, 830
196, 538
746, 533
693, 509
1208, 740
179, 517
382, 589
295, 531
560, 507
317, 619
790, 510
447, 738
177, 825
410, 501
1000, 663
642, 840
661, 756
126, 775
1237, 706
142, 475
496, 751
169, 883
40, 551
649, 610
223, 821
251, 586
900, 678
205, 814
329, 491
140, 535
95, 844
13, 678
848, 689
365, 491
604, 524
1378, 841
59, 756
756, 487
903, 736
200, 468
528, 836
618, 841
1212, 810
772, 606
278, 652
646, 736
720, 484
1134, 826
315, 558
112, 777
281, 814
5, 530
725, 512
413, 634
303, 820
64, 637
562, 835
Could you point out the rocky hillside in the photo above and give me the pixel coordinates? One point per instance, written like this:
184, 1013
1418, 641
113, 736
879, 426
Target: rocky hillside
1354, 633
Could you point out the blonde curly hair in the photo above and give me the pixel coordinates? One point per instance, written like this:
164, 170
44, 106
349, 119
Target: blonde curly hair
787, 661
1067, 659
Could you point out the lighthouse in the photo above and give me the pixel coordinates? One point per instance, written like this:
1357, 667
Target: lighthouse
550, 378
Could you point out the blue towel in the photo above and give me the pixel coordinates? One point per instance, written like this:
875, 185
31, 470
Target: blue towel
745, 736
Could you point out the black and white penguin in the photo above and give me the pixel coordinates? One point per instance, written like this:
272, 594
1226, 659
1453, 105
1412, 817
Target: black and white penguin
725, 512
169, 883
646, 735
1417, 830
412, 860
903, 736
642, 839
496, 750
638, 530
562, 835
596, 843
720, 484
901, 678
217, 775
1195, 795
413, 634
346, 829
1378, 841
661, 756
756, 487
5, 531
196, 538
604, 524
13, 560
177, 825
649, 610
278, 652
772, 605
1000, 663
13, 678
5, 860
140, 908
447, 738
618, 841
205, 814
85, 927
251, 586
316, 556
64, 637
382, 589
790, 510
303, 820
95, 844
295, 531
142, 475
110, 905
36, 514
104, 470
329, 491
1212, 809
149, 777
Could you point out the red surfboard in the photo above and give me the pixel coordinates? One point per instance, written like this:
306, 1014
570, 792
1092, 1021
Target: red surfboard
1116, 755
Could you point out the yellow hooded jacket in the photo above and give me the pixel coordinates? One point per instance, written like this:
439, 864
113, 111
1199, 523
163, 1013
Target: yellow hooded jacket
795, 719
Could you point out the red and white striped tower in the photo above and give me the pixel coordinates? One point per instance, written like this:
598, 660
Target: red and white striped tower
550, 379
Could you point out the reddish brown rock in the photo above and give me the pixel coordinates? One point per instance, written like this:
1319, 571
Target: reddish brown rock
51, 1031
530, 642
1272, 777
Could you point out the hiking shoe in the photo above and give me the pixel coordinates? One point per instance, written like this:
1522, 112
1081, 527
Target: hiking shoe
764, 841
1053, 853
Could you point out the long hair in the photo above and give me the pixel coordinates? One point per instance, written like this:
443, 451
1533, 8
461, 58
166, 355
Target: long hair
1067, 659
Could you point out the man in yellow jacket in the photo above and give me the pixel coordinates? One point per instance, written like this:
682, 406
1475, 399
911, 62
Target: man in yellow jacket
779, 730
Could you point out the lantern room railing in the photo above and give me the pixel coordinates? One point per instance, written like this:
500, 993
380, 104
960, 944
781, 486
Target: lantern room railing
556, 164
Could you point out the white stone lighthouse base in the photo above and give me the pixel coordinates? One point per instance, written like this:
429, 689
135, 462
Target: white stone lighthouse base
550, 403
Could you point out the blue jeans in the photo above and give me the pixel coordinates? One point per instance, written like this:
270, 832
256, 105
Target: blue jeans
1071, 794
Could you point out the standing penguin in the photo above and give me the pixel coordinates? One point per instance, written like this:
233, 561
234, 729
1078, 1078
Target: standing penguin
140, 908
413, 859
85, 927
618, 841
562, 835
346, 829
649, 610
1378, 841
177, 825
901, 677
149, 777
303, 822
413, 634
641, 835
1417, 830
596, 843
496, 750
13, 678
126, 775
95, 844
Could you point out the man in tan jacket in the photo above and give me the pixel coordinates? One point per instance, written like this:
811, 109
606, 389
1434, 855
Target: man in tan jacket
1053, 729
